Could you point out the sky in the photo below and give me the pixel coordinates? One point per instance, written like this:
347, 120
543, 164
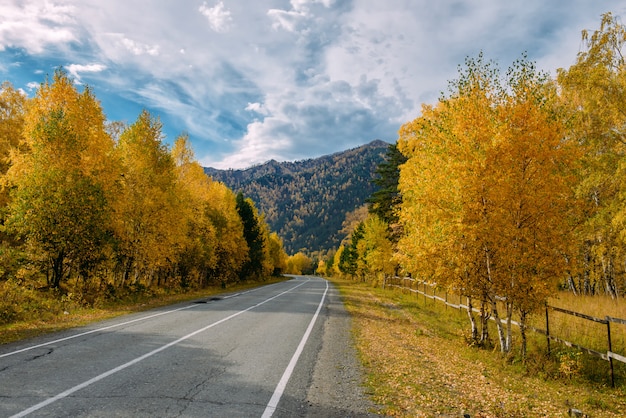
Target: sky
254, 80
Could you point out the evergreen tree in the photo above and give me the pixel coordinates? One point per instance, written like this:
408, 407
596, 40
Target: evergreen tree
253, 233
348, 261
385, 201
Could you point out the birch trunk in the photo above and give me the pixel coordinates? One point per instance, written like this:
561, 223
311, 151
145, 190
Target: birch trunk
499, 327
470, 313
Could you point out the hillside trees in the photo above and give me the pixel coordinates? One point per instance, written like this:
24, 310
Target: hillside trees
305, 201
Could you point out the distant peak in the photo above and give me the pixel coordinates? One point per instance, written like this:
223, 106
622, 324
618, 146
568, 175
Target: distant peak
378, 143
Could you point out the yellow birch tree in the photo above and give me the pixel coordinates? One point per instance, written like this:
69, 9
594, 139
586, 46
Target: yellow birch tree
149, 227
594, 89
486, 190
63, 181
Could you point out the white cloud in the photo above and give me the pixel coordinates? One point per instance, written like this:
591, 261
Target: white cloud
288, 20
293, 79
34, 25
77, 69
256, 107
218, 16
137, 48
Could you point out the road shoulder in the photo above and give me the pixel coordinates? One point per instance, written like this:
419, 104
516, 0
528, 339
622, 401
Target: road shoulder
337, 382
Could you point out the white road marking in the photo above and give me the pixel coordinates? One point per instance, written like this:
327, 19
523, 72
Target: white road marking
89, 382
282, 384
116, 325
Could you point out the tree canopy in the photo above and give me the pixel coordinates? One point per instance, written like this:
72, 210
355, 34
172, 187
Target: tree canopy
93, 206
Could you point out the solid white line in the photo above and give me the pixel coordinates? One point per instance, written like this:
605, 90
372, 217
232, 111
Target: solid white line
92, 331
282, 384
118, 325
143, 357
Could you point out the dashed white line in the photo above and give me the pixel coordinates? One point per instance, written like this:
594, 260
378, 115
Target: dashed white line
91, 381
143, 318
282, 384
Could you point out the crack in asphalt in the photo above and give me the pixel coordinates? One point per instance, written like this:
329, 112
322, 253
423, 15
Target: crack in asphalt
47, 353
191, 394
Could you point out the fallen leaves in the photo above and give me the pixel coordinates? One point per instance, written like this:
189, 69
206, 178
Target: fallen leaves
415, 372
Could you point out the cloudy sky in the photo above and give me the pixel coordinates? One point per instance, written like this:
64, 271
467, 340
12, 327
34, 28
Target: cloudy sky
254, 80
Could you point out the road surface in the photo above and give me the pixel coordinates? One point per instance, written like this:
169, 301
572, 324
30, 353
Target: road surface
279, 350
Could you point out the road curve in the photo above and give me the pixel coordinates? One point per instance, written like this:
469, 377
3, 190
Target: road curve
248, 354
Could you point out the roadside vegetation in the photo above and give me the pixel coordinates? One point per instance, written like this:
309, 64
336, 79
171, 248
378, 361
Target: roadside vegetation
508, 194
97, 214
507, 190
420, 362
43, 311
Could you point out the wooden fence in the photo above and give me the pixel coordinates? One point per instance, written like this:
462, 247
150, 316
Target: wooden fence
414, 287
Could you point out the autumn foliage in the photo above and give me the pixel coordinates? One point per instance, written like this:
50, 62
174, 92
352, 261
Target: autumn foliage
93, 207
511, 186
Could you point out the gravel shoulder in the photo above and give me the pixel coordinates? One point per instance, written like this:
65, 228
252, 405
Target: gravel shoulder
337, 382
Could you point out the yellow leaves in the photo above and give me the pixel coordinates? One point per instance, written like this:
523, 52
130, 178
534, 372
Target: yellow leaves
298, 263
486, 188
86, 193
149, 225
424, 373
378, 251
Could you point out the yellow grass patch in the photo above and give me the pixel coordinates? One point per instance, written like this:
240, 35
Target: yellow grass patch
419, 365
63, 315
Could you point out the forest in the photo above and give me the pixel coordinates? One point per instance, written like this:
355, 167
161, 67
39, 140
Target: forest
91, 209
306, 202
509, 188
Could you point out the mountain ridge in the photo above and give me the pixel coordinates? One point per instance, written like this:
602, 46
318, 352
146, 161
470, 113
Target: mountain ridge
306, 201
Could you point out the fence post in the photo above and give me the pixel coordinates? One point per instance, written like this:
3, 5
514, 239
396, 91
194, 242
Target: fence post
608, 331
548, 330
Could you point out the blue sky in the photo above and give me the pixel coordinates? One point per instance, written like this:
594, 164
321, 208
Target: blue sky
251, 81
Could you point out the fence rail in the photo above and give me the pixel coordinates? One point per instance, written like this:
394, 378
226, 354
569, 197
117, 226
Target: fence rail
609, 355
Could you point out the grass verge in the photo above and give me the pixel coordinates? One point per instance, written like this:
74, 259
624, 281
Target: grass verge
74, 315
420, 365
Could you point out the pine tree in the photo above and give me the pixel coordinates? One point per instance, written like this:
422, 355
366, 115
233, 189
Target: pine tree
385, 202
253, 233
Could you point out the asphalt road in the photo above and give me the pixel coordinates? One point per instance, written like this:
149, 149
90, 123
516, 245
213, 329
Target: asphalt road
280, 350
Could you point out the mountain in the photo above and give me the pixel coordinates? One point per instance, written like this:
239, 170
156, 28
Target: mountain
305, 202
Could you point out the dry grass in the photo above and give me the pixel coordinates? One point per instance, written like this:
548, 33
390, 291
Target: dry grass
421, 366
598, 306
62, 315
588, 332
